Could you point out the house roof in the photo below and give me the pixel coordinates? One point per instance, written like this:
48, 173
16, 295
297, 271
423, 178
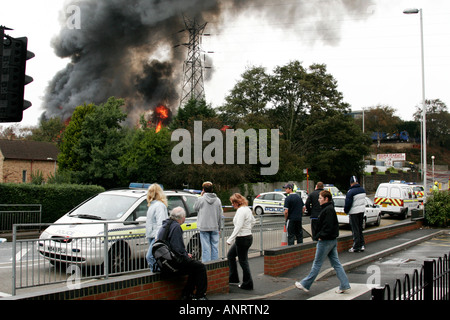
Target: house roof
28, 150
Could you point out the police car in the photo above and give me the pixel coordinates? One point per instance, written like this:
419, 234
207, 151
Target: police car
78, 237
372, 213
333, 190
269, 202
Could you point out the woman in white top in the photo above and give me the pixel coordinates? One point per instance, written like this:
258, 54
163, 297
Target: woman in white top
241, 239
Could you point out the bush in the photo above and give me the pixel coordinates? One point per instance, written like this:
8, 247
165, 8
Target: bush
437, 209
56, 199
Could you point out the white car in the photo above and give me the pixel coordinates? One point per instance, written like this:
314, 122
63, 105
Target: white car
372, 214
269, 202
78, 237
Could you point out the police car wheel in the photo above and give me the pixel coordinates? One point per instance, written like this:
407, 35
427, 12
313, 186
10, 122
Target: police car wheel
259, 211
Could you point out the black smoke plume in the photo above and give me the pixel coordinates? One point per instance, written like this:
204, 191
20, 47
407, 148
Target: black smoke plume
126, 48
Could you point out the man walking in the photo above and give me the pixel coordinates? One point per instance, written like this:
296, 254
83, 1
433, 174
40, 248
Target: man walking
209, 208
293, 211
313, 208
355, 205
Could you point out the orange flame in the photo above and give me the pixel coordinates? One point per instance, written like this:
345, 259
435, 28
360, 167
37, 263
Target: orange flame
162, 113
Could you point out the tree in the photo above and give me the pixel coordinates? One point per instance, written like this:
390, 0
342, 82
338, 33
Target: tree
93, 144
247, 102
68, 158
438, 122
335, 148
302, 96
147, 156
49, 130
194, 110
381, 119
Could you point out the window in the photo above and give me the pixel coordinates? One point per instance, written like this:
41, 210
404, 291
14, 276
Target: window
382, 192
278, 197
395, 193
24, 176
174, 202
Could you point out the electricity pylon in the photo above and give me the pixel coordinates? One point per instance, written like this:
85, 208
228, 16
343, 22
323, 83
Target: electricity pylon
193, 86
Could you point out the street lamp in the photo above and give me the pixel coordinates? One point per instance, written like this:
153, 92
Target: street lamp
432, 165
424, 107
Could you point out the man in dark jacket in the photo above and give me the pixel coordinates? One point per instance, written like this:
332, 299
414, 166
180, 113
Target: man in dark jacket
355, 205
327, 232
313, 208
196, 271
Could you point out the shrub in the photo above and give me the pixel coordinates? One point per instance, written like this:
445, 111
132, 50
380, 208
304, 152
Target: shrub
56, 199
437, 209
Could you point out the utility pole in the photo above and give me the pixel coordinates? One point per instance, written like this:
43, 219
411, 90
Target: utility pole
193, 86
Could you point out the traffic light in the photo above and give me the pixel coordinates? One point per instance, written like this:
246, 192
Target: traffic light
14, 55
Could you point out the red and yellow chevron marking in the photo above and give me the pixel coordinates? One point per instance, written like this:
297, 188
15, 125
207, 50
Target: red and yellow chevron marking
419, 194
388, 202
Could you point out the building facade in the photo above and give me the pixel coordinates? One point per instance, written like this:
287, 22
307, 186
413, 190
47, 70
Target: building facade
20, 159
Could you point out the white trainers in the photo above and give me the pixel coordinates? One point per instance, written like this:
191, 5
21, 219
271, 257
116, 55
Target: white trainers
299, 286
340, 291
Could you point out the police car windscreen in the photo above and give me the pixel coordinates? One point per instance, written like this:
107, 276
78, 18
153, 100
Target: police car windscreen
104, 207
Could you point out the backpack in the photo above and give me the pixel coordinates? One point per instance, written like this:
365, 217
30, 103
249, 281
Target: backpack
167, 261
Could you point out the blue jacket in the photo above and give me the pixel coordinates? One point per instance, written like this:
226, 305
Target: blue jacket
355, 200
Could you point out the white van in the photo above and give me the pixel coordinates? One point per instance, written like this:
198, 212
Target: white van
396, 199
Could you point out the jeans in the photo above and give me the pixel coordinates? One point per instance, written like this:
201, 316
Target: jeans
326, 248
240, 249
356, 223
150, 259
210, 245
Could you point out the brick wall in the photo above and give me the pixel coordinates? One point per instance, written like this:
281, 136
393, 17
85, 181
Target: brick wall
140, 286
280, 260
12, 170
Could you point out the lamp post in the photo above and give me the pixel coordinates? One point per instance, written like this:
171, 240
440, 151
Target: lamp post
424, 107
432, 166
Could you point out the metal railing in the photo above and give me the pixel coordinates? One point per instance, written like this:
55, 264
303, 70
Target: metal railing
72, 259
11, 214
432, 282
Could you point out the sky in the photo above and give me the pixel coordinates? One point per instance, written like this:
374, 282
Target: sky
374, 54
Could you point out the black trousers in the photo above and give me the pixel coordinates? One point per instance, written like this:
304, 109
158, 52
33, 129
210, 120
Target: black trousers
240, 249
197, 278
295, 232
356, 223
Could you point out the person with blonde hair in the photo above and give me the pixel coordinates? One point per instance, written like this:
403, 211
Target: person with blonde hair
156, 214
241, 240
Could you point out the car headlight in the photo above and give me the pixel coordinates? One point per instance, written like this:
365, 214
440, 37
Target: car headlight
45, 235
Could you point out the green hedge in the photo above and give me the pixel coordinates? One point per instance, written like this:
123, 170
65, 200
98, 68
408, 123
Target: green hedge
56, 199
437, 209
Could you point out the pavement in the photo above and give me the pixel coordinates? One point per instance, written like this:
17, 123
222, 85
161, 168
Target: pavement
382, 262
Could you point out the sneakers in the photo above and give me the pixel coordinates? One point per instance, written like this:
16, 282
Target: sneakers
357, 250
340, 291
299, 286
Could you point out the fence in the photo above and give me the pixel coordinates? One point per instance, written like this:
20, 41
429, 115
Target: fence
74, 258
11, 214
431, 283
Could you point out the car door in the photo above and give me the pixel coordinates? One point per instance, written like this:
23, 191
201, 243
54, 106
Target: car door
278, 203
371, 213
